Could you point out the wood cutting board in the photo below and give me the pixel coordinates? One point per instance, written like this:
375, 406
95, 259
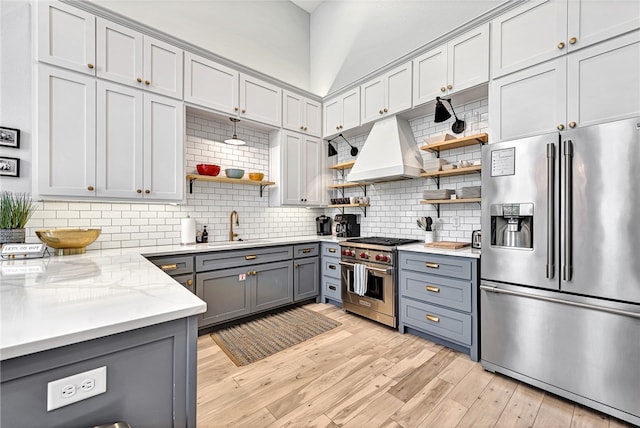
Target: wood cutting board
449, 245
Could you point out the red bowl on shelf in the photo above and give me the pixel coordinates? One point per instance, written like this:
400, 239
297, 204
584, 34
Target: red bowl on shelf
208, 169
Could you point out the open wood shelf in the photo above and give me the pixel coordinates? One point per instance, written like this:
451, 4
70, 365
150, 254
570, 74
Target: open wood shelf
194, 177
342, 166
452, 172
346, 185
456, 143
450, 201
347, 205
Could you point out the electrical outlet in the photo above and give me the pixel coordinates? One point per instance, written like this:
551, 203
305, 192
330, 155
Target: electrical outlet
455, 221
78, 387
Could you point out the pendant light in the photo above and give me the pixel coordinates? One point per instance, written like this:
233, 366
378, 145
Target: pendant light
234, 141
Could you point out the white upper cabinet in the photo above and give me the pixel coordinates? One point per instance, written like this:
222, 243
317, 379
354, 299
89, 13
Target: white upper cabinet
260, 101
460, 64
128, 57
212, 85
542, 30
66, 37
301, 114
342, 112
66, 128
387, 94
593, 85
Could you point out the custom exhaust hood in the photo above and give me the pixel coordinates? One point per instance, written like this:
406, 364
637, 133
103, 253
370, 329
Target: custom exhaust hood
390, 152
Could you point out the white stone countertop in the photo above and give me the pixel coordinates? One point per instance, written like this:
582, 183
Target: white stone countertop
462, 252
60, 300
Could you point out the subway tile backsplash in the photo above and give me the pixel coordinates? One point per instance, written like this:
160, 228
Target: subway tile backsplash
395, 206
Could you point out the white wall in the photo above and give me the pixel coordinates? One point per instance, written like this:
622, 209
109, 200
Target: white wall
268, 36
15, 88
350, 38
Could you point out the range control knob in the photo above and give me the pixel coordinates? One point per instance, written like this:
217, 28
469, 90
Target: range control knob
344, 252
378, 257
363, 255
386, 258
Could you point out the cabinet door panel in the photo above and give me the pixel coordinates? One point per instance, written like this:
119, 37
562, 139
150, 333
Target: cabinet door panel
163, 148
163, 68
312, 113
119, 53
293, 178
119, 141
332, 116
292, 111
351, 109
227, 294
306, 278
210, 84
429, 76
468, 60
372, 100
314, 175
66, 37
260, 101
529, 102
603, 81
398, 89
593, 21
528, 35
66, 146
272, 285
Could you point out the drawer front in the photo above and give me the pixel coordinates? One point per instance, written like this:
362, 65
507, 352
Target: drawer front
455, 267
331, 267
451, 325
188, 281
174, 265
329, 249
238, 258
305, 250
440, 290
331, 288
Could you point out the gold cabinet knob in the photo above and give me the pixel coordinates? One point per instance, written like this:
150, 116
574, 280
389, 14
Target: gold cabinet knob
139, 79
573, 41
337, 126
138, 190
244, 110
235, 109
560, 127
340, 126
254, 272
443, 89
190, 282
249, 273
572, 124
561, 45
146, 82
302, 127
449, 86
90, 66
380, 111
385, 110
147, 191
90, 188
305, 128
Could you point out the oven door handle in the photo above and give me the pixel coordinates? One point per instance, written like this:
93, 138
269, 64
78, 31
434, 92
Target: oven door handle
385, 271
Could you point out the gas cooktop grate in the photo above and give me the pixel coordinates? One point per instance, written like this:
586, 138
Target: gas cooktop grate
380, 240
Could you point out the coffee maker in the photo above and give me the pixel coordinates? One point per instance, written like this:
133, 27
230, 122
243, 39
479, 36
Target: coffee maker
323, 225
347, 225
512, 225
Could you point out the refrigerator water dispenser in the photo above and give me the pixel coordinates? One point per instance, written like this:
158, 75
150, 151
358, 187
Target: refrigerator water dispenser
512, 225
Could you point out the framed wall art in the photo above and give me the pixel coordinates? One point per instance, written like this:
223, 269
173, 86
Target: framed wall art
9, 137
9, 167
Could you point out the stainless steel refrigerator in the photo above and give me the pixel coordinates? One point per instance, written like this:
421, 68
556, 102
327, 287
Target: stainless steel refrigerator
560, 265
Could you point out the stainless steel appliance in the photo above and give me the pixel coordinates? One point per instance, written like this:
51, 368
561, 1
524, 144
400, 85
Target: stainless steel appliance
347, 225
562, 310
476, 239
378, 256
323, 225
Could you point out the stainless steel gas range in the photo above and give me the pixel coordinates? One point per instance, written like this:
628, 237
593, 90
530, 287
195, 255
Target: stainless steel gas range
369, 277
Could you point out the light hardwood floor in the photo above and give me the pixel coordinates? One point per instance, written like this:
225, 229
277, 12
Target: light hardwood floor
362, 374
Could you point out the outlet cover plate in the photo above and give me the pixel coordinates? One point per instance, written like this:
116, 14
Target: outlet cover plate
78, 387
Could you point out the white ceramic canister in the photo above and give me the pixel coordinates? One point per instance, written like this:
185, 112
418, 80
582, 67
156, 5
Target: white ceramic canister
429, 236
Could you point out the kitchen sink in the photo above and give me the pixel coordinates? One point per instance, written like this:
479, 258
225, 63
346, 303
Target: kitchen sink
232, 243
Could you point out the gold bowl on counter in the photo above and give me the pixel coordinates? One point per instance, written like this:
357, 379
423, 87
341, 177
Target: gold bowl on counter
68, 241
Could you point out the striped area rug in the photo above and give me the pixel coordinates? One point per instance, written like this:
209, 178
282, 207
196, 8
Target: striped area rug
257, 339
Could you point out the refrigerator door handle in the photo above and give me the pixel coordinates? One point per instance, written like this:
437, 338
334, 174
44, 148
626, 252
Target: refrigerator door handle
551, 157
568, 211
492, 289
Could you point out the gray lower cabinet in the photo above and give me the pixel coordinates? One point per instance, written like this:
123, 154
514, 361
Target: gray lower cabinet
330, 273
235, 284
438, 299
306, 277
153, 367
179, 268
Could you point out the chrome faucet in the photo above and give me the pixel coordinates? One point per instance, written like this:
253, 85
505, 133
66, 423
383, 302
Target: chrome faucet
231, 234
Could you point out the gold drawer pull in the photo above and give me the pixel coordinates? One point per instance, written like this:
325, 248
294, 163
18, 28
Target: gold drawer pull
306, 250
432, 265
250, 257
332, 250
432, 318
432, 289
332, 267
172, 266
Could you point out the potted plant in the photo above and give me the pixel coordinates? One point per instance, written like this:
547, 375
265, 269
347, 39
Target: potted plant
15, 211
